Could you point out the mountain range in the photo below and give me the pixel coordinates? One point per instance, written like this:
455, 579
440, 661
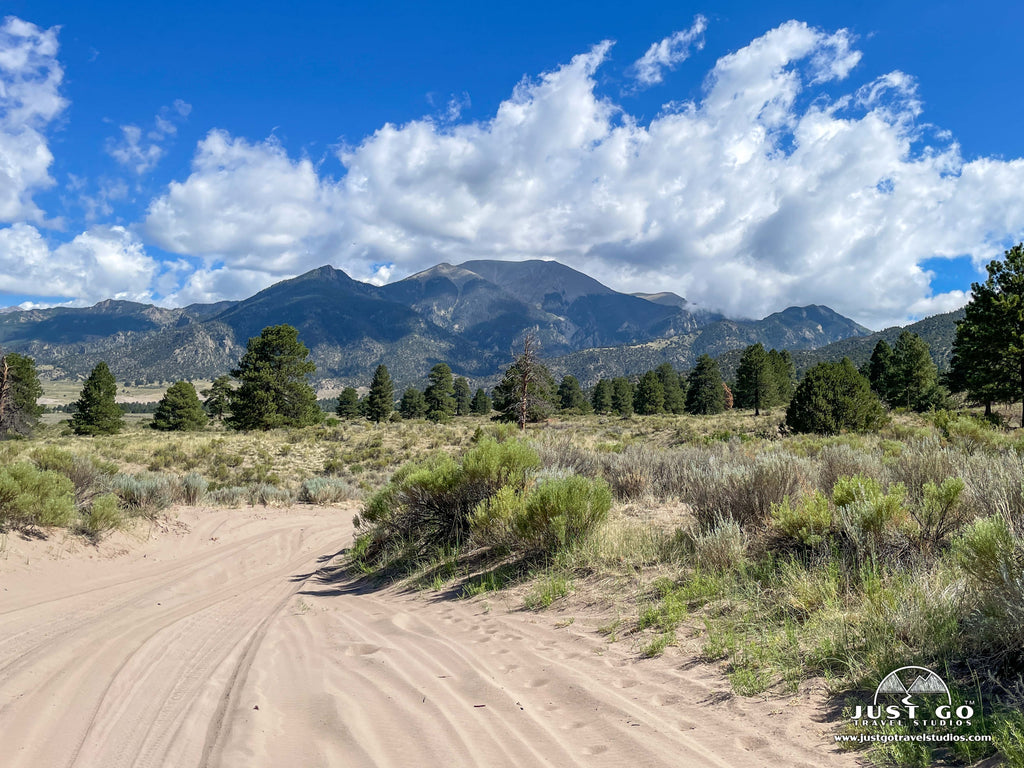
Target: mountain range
472, 316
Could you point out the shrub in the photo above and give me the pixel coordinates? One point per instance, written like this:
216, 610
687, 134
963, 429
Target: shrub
833, 397
865, 511
559, 513
808, 522
34, 497
325, 490
147, 493
269, 495
992, 557
720, 548
86, 473
193, 488
232, 496
104, 515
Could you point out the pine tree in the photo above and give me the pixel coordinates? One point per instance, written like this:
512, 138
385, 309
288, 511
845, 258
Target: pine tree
218, 397
756, 381
96, 411
649, 397
913, 379
571, 397
833, 397
481, 403
381, 399
675, 397
274, 390
527, 390
704, 394
988, 352
880, 369
179, 409
413, 404
348, 404
20, 391
601, 397
622, 396
463, 397
440, 393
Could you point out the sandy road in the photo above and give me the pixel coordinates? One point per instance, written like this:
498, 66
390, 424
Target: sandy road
238, 644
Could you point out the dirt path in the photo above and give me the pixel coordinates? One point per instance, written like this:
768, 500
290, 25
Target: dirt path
223, 646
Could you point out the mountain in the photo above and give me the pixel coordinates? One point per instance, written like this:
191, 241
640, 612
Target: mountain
795, 328
471, 316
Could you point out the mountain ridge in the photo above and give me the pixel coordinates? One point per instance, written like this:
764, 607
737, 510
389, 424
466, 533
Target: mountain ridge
471, 315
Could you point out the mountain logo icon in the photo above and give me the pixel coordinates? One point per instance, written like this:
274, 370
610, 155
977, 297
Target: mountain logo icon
910, 681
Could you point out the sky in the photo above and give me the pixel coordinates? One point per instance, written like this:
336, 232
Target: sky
748, 156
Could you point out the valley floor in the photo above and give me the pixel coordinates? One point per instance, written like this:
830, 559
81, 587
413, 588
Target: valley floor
231, 638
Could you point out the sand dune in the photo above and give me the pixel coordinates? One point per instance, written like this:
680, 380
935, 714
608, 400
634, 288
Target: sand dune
229, 641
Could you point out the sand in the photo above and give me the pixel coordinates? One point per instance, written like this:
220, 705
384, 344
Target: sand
229, 638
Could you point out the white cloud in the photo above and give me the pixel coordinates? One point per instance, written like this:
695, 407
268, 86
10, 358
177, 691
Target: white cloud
762, 194
142, 153
30, 99
101, 263
669, 53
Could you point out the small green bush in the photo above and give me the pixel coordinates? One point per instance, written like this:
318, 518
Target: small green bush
33, 497
558, 514
429, 503
808, 522
104, 515
1008, 738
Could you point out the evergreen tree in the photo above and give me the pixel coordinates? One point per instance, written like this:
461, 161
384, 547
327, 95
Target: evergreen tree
20, 391
571, 397
913, 379
756, 380
381, 399
481, 403
649, 397
348, 404
179, 409
622, 396
96, 411
988, 352
274, 390
784, 373
879, 369
413, 404
218, 397
527, 390
675, 397
704, 393
833, 397
601, 397
440, 393
463, 397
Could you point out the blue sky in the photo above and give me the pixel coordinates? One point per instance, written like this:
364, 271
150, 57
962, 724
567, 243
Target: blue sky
860, 155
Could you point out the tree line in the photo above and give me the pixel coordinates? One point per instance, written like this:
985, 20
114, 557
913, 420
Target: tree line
270, 387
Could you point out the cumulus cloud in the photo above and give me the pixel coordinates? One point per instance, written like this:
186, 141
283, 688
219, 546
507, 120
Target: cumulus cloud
30, 78
669, 53
101, 263
763, 193
141, 152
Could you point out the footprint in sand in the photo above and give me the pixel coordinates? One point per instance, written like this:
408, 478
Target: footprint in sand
752, 743
539, 682
624, 683
361, 649
666, 699
597, 749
